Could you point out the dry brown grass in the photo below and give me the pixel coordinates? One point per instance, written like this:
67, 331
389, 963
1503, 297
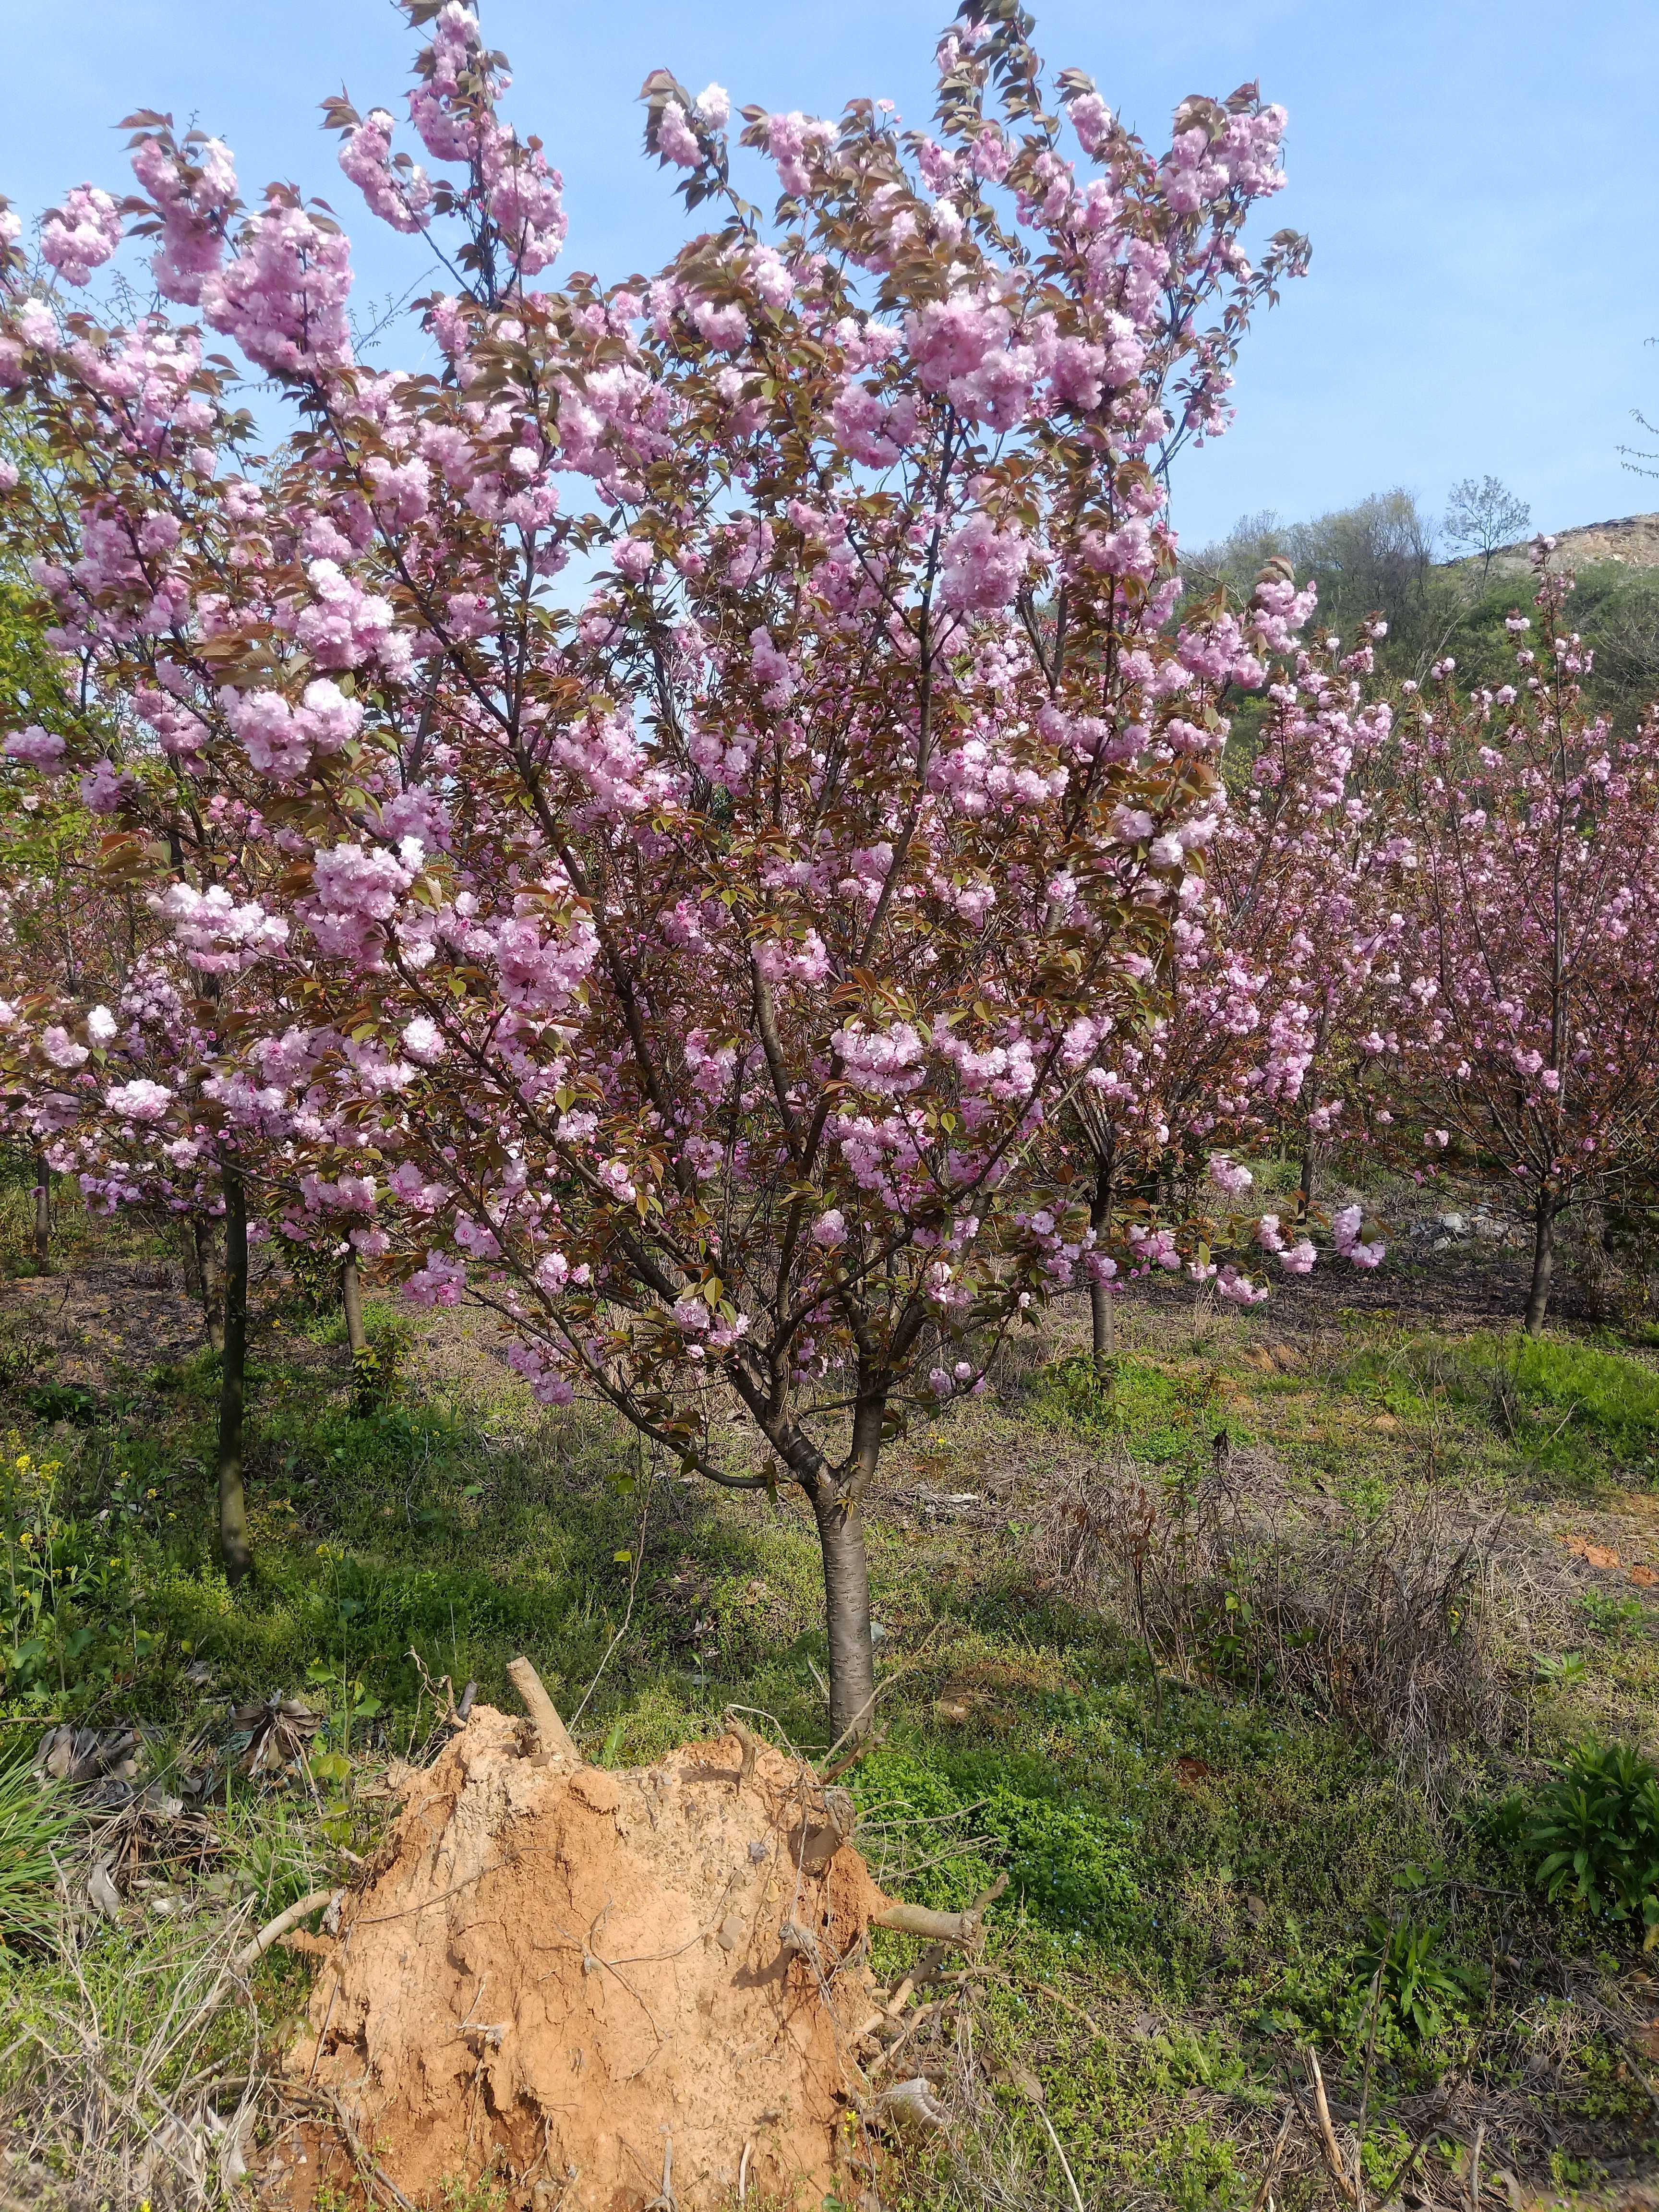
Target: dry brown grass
1382, 1620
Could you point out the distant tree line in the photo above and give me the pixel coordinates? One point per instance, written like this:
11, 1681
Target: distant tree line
1432, 580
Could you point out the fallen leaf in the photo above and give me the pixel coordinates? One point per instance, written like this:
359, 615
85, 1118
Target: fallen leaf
1592, 1555
102, 1892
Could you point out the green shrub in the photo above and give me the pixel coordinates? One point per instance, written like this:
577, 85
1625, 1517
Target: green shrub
314, 1277
1593, 1832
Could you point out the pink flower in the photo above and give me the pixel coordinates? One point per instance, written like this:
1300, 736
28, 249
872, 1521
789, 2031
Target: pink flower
218, 936
83, 234
982, 567
36, 748
675, 139
404, 199
283, 298
62, 1050
194, 187
422, 1040
139, 1101
439, 1283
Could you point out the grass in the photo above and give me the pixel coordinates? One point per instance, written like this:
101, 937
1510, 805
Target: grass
35, 1826
1198, 1870
1584, 1416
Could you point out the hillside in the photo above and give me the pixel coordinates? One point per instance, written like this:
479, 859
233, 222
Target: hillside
1630, 540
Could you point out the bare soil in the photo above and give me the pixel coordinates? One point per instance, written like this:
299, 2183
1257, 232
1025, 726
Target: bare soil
629, 1988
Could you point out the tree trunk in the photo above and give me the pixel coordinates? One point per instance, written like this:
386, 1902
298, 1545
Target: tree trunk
1543, 1267
1310, 1091
1100, 1297
211, 1279
351, 1297
846, 1611
233, 1501
1304, 1189
42, 1214
1100, 1317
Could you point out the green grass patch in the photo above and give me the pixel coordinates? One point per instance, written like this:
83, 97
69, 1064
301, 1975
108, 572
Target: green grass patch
1580, 1414
1599, 1396
1161, 1416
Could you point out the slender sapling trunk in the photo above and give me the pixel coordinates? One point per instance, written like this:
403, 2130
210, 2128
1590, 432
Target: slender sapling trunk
233, 1393
1100, 1296
351, 1297
42, 1212
209, 1278
847, 1610
1543, 1266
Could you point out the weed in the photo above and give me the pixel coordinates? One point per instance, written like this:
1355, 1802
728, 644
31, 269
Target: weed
61, 1401
66, 1602
1594, 1834
1422, 1988
1562, 1670
1069, 1868
1613, 1617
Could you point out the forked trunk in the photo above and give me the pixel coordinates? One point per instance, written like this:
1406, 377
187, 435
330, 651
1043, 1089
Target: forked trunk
351, 1297
42, 1214
233, 1389
847, 1612
1543, 1267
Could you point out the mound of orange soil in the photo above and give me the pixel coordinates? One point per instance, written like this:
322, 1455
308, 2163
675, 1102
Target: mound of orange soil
614, 1990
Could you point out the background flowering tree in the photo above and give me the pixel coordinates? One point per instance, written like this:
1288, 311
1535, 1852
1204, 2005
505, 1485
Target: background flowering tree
690, 962
1273, 950
1528, 1025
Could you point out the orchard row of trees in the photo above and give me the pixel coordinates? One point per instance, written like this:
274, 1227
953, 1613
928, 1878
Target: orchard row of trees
696, 814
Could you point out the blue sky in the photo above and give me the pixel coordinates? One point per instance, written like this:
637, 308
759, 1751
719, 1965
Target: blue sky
1477, 177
